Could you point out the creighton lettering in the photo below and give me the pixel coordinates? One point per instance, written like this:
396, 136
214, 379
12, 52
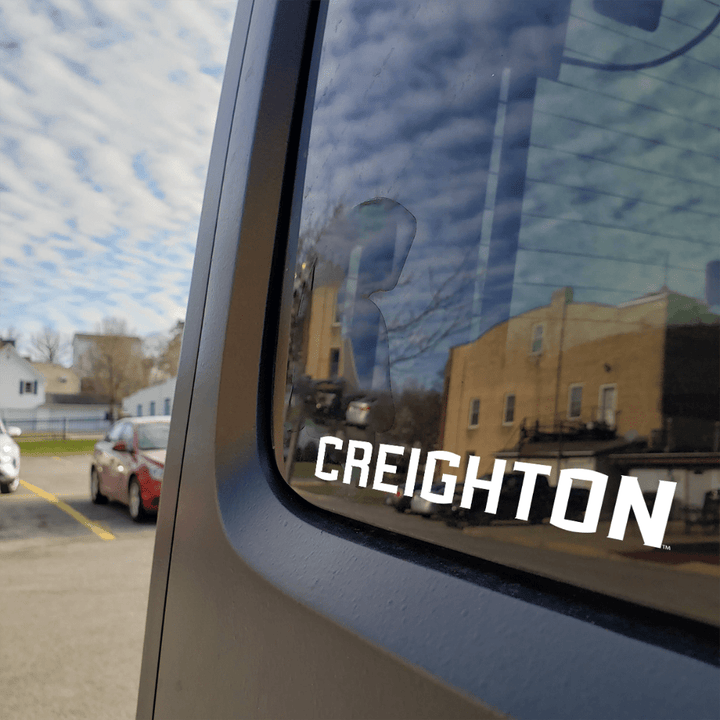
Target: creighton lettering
652, 527
594, 505
412, 472
493, 486
383, 467
444, 498
330, 475
531, 470
363, 462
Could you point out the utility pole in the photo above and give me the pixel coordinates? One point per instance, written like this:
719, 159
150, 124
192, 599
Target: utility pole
567, 298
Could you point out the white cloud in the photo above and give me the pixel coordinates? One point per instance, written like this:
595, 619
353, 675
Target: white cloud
86, 91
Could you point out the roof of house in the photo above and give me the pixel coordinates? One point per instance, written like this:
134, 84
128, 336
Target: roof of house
76, 399
59, 378
568, 448
8, 349
90, 336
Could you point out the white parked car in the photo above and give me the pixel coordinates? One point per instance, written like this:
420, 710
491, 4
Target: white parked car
426, 508
358, 412
9, 459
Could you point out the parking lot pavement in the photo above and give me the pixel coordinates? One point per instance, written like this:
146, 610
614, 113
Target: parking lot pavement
74, 604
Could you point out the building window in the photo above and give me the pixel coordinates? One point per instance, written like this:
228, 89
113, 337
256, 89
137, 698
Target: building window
139, 410
607, 404
28, 388
334, 362
509, 410
167, 406
537, 340
575, 401
474, 416
152, 407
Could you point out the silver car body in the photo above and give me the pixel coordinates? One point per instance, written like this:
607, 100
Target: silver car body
9, 459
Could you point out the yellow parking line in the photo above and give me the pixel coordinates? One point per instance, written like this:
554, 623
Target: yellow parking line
104, 534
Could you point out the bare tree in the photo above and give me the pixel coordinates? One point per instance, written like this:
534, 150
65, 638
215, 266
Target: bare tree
162, 352
170, 356
418, 414
49, 346
425, 328
117, 361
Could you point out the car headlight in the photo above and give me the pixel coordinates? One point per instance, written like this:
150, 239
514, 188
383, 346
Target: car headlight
155, 471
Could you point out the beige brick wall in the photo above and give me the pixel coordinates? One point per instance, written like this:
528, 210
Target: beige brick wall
602, 346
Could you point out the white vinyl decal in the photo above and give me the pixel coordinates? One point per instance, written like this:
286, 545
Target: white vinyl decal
378, 467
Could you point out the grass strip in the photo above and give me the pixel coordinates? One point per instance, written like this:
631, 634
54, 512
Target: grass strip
32, 448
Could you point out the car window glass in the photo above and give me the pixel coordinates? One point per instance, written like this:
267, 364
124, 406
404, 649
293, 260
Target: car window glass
127, 435
510, 215
153, 436
115, 431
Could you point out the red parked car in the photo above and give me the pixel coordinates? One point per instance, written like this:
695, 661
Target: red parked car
128, 465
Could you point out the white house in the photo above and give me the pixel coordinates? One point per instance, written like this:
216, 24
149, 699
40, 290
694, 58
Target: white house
154, 400
22, 387
26, 399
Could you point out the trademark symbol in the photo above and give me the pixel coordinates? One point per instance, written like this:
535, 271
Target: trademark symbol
666, 547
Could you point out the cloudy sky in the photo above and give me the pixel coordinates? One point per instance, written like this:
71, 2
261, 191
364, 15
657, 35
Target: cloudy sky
431, 105
107, 110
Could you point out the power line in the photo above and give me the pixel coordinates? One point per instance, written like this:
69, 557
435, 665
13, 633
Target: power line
644, 39
652, 63
588, 156
620, 197
612, 258
623, 229
658, 79
557, 286
687, 24
629, 134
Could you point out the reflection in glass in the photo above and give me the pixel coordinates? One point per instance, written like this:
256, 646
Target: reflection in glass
509, 255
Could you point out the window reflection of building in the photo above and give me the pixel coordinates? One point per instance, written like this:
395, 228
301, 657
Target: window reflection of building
537, 339
575, 402
509, 409
325, 354
635, 380
474, 419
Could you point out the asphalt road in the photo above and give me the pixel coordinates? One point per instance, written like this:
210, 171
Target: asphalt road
73, 604
75, 579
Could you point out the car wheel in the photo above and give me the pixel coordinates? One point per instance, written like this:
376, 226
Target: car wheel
95, 495
135, 503
8, 487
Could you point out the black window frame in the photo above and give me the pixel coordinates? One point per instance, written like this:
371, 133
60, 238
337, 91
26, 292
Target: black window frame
509, 408
540, 338
573, 387
474, 414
